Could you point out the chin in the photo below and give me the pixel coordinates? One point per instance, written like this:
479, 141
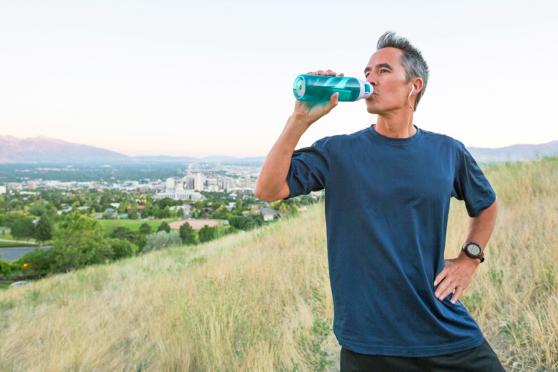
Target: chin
372, 109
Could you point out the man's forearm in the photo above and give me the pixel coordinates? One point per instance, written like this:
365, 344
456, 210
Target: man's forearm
275, 168
481, 227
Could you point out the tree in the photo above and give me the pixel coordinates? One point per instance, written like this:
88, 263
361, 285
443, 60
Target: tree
38, 261
122, 248
164, 227
122, 232
145, 228
187, 233
23, 227
79, 241
43, 229
207, 233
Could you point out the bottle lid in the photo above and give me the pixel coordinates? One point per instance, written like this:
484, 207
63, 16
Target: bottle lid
366, 89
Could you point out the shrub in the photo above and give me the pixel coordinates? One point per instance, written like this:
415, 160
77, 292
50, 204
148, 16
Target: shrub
39, 261
164, 226
162, 240
122, 248
6, 268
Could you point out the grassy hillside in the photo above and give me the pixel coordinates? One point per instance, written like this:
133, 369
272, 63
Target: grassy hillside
261, 300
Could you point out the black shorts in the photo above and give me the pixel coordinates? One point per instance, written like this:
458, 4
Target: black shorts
478, 359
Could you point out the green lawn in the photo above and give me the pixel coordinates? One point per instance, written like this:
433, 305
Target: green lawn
109, 225
4, 285
15, 244
6, 236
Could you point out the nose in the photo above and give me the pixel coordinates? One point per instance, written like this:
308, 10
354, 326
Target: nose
371, 79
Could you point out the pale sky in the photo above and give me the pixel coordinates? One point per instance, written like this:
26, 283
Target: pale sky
215, 77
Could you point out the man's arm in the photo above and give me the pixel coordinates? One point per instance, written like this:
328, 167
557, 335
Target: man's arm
272, 181
458, 272
481, 227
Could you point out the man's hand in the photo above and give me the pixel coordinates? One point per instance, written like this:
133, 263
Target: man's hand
455, 277
310, 112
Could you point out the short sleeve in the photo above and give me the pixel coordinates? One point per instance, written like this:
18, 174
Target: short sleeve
470, 184
309, 169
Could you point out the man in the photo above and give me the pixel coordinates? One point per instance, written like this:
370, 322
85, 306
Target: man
387, 196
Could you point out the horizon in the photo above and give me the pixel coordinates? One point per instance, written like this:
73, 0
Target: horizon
213, 154
118, 77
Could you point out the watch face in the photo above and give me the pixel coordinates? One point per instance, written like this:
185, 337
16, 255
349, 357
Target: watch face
473, 249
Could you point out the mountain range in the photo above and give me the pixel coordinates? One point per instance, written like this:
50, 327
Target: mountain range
47, 150
39, 150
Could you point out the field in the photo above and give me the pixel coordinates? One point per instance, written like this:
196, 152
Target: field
260, 300
109, 225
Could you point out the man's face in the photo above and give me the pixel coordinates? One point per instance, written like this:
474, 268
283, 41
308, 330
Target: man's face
387, 75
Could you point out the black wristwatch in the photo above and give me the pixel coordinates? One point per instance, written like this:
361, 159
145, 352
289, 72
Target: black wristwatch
473, 250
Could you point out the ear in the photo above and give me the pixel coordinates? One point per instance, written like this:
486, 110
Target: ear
418, 84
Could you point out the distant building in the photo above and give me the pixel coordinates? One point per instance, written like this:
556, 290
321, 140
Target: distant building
169, 184
184, 209
179, 195
198, 182
111, 213
3, 189
189, 182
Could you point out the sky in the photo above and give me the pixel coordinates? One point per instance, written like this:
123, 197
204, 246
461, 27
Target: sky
215, 77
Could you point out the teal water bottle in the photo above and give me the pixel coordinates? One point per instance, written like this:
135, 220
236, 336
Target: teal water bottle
317, 88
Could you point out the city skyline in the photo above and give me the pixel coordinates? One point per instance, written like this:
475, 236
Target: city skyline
180, 79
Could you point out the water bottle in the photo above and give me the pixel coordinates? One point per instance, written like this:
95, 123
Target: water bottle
317, 88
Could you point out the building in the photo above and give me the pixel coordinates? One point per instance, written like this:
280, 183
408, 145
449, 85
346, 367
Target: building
3, 189
179, 195
170, 184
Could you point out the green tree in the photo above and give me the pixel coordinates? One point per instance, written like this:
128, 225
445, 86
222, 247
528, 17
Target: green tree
23, 227
122, 232
122, 248
187, 233
43, 229
39, 261
79, 241
164, 227
145, 228
207, 233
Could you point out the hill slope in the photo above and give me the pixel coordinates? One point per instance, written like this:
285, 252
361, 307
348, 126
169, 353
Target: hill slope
261, 300
251, 301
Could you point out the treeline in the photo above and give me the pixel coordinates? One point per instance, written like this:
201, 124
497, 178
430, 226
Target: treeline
79, 240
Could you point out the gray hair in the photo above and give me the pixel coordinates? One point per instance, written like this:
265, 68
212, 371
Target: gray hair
412, 61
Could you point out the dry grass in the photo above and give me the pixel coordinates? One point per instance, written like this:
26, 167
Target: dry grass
260, 301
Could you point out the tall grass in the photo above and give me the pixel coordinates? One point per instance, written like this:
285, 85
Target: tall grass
261, 301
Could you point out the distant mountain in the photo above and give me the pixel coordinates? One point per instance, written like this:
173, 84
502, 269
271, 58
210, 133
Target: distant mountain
209, 159
49, 150
42, 150
520, 152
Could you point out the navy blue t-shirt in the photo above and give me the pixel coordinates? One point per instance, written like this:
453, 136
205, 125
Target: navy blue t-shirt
386, 207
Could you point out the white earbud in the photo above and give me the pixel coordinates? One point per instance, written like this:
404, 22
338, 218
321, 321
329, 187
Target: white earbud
411, 92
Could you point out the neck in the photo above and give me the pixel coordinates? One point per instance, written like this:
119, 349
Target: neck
397, 125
